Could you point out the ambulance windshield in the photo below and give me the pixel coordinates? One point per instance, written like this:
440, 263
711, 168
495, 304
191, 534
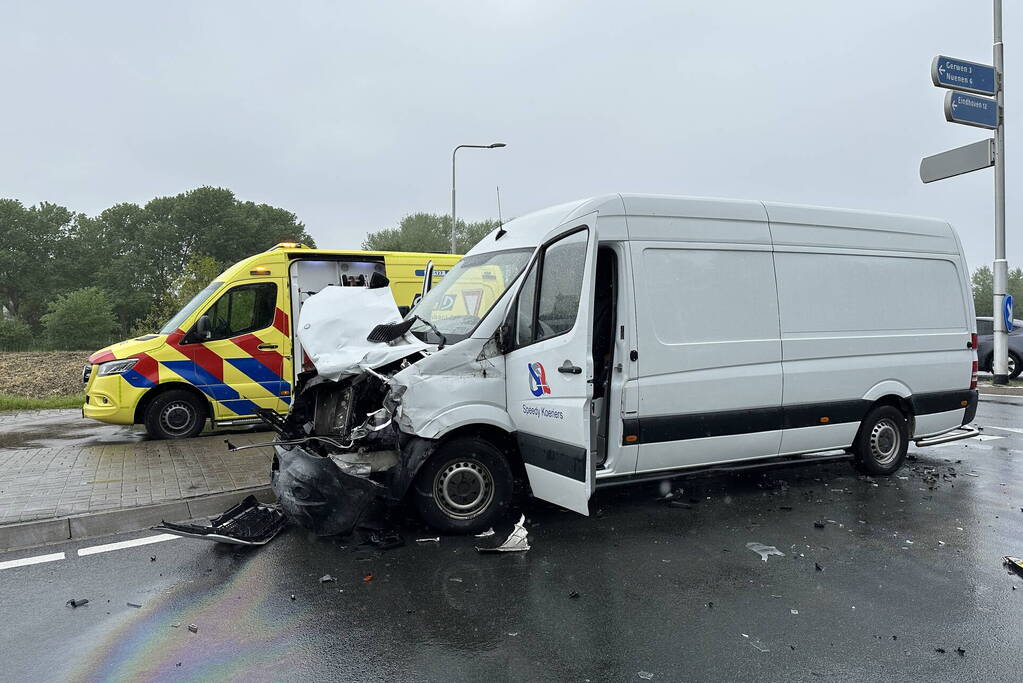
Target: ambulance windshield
467, 293
189, 308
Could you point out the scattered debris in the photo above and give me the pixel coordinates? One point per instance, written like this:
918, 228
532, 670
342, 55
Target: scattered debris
645, 675
794, 611
517, 540
386, 539
247, 523
455, 579
152, 558
135, 605
940, 650
764, 551
573, 595
1014, 563
292, 596
193, 628
175, 625
488, 532
710, 605
77, 602
819, 524
327, 578
818, 567
961, 652
435, 539
367, 578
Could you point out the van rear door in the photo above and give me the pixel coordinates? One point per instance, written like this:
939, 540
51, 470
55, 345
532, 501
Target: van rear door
550, 366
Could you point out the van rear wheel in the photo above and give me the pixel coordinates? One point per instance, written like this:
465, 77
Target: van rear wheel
882, 442
175, 414
465, 487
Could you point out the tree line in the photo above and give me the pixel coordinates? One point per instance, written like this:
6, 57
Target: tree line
73, 281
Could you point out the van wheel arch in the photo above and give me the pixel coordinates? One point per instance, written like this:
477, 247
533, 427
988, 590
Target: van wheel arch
147, 399
500, 438
900, 403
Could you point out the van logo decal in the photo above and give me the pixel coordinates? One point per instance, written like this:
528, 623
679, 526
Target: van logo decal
538, 380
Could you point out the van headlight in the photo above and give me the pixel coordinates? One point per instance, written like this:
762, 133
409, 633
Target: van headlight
117, 367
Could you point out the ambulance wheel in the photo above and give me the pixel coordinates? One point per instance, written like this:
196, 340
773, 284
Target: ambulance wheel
465, 487
175, 414
1015, 366
881, 445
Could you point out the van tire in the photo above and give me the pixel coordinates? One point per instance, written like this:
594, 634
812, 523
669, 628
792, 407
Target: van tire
468, 473
882, 442
175, 414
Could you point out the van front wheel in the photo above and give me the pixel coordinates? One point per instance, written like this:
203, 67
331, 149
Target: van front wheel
465, 487
175, 414
882, 442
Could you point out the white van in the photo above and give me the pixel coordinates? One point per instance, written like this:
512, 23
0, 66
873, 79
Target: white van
641, 335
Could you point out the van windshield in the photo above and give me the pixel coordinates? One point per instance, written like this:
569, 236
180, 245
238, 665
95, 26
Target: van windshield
467, 293
190, 307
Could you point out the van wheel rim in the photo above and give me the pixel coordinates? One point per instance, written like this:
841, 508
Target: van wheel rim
1012, 365
463, 488
885, 441
177, 417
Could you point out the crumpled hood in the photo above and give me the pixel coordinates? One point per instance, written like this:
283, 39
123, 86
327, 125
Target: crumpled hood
335, 322
128, 348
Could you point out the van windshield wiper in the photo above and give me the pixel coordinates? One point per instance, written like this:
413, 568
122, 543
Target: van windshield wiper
443, 339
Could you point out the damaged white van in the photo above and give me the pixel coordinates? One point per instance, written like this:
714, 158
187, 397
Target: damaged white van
629, 337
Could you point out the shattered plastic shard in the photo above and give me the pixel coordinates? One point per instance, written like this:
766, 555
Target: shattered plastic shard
764, 550
517, 540
1014, 563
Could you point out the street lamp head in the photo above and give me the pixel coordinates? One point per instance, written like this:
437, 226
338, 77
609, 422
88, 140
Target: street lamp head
497, 144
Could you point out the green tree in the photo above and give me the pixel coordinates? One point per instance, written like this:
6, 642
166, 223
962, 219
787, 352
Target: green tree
80, 319
983, 288
14, 334
33, 256
428, 232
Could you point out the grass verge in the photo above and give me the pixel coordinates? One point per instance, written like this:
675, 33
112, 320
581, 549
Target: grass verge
8, 402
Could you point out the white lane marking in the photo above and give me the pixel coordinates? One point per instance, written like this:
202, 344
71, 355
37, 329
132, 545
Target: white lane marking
92, 550
988, 437
25, 561
1006, 429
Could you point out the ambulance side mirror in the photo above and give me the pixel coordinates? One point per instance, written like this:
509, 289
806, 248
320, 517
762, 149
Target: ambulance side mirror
203, 328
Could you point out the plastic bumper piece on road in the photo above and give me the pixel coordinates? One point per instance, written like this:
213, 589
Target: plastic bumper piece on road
315, 494
964, 432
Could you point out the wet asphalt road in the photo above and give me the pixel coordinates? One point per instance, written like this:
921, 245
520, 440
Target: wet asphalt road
906, 566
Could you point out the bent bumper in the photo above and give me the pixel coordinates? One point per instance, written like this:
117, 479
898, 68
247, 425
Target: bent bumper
317, 495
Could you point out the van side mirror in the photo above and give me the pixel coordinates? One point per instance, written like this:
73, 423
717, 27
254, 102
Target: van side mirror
504, 337
203, 328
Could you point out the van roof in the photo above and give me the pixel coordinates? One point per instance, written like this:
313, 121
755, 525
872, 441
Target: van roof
529, 229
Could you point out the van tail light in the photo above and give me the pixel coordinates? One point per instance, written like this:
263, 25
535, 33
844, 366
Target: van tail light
973, 377
973, 341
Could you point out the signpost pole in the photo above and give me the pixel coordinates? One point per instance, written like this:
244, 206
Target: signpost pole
1000, 367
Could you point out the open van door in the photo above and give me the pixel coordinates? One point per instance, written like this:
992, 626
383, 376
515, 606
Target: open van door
549, 366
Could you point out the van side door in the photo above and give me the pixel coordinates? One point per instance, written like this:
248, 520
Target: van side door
709, 348
549, 368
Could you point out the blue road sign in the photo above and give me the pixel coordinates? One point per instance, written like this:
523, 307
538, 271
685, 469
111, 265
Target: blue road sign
1008, 313
958, 74
971, 110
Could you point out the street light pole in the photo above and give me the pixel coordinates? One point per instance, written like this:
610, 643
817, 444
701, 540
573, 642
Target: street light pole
493, 145
1000, 269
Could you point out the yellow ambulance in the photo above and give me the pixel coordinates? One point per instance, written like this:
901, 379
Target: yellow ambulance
232, 349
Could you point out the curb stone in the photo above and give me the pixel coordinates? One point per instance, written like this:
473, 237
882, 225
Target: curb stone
90, 525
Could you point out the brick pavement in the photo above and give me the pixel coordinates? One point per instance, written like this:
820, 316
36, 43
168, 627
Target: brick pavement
54, 463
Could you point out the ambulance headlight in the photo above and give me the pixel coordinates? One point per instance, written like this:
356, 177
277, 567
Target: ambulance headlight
117, 367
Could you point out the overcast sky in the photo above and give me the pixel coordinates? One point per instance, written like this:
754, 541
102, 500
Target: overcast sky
346, 113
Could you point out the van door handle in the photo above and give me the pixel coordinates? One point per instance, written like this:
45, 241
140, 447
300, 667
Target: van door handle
267, 347
570, 369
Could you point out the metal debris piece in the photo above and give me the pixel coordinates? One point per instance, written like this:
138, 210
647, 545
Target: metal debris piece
1014, 563
327, 578
435, 539
764, 551
77, 602
517, 540
485, 534
193, 628
386, 539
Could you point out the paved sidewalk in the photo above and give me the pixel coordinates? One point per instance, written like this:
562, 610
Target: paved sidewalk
54, 463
